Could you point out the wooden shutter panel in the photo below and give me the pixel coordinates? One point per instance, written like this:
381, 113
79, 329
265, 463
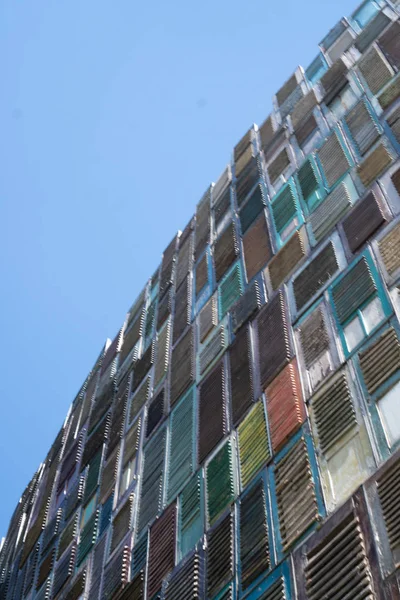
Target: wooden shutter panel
285, 405
226, 250
208, 318
181, 452
247, 180
230, 289
254, 547
161, 550
201, 273
45, 568
375, 164
93, 476
88, 537
131, 337
164, 309
389, 247
139, 399
371, 31
353, 290
389, 496
155, 412
243, 144
220, 482
116, 573
362, 222
295, 494
390, 94
394, 123
250, 211
273, 338
375, 70
253, 444
315, 347
139, 554
77, 588
337, 565
334, 412
162, 353
183, 307
243, 159
220, 556
286, 260
184, 260
381, 360
152, 479
182, 366
64, 570
333, 159
328, 213
286, 90
363, 128
241, 374
222, 207
284, 207
278, 165
97, 568
191, 520
202, 236
267, 133
308, 179
256, 247
212, 416
186, 582
303, 107
212, 348
334, 80
315, 275
304, 131
246, 305
390, 45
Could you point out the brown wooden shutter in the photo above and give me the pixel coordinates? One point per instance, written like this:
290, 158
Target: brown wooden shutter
201, 274
208, 318
212, 412
183, 306
226, 250
304, 131
374, 69
389, 247
375, 164
220, 556
303, 107
241, 374
362, 222
334, 80
389, 43
381, 360
182, 366
333, 159
256, 247
285, 405
362, 126
286, 260
278, 165
273, 338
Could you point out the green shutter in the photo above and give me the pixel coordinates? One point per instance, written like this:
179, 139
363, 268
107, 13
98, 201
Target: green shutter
220, 482
181, 452
284, 207
191, 522
230, 289
253, 444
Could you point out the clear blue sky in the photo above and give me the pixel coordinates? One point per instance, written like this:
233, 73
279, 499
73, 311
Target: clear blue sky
115, 117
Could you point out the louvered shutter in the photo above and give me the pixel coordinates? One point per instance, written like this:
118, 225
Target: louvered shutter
362, 126
285, 209
186, 583
220, 556
182, 366
254, 546
122, 523
389, 248
212, 411
183, 308
389, 497
184, 260
333, 159
243, 160
390, 45
161, 550
390, 93
162, 354
273, 338
381, 360
241, 374
139, 555
164, 309
45, 567
221, 185
375, 164
139, 399
208, 318
334, 80
212, 349
93, 476
201, 273
202, 236
394, 123
334, 563
286, 260
253, 444
315, 276
353, 290
278, 166
303, 108
371, 31
250, 211
285, 405
77, 587
87, 537
362, 222
256, 247
375, 70
243, 144
230, 289
64, 570
328, 213
267, 133
222, 210
106, 512
295, 494
152, 479
226, 250
74, 497
181, 451
247, 305
309, 182
155, 412
286, 90
247, 180
304, 131
97, 568
220, 482
131, 337
191, 517
116, 574
96, 440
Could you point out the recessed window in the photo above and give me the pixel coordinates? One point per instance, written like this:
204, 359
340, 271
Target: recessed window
372, 315
389, 411
128, 475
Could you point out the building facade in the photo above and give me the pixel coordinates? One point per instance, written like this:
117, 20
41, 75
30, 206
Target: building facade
239, 438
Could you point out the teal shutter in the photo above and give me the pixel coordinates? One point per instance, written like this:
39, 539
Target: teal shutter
191, 521
230, 289
220, 482
181, 452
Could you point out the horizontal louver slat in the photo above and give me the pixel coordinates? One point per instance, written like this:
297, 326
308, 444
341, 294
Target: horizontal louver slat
353, 290
220, 482
246, 306
389, 247
241, 374
328, 213
182, 366
313, 278
333, 159
181, 457
212, 417
381, 360
374, 165
152, 479
389, 496
161, 550
362, 222
220, 556
285, 261
191, 514
256, 247
253, 444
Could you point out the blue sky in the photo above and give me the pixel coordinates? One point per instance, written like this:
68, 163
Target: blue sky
115, 117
